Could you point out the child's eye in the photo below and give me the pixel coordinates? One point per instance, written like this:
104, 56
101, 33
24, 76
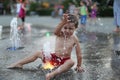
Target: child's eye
70, 28
65, 27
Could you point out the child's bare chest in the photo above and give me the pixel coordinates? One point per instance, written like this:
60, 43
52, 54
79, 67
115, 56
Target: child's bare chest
65, 43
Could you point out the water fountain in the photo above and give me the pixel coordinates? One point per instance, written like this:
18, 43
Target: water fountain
1, 31
47, 50
14, 36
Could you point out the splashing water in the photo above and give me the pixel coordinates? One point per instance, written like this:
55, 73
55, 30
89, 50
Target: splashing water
14, 36
47, 50
99, 22
64, 47
28, 27
1, 31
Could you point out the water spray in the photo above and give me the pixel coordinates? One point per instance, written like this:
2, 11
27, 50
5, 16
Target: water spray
14, 36
1, 31
46, 47
47, 54
47, 50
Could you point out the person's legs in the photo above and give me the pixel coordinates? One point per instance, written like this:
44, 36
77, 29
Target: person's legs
22, 26
26, 60
65, 67
116, 21
117, 29
23, 21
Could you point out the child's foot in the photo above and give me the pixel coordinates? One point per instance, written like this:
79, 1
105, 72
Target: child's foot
48, 76
15, 66
117, 30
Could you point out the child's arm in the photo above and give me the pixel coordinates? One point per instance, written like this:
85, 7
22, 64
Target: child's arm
23, 6
79, 56
59, 27
78, 53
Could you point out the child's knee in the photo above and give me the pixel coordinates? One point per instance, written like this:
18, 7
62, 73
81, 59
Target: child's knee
71, 62
38, 54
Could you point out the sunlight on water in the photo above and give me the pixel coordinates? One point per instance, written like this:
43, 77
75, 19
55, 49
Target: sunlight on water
48, 65
1, 31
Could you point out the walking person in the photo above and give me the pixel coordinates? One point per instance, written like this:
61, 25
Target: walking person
93, 13
18, 6
83, 14
22, 13
116, 11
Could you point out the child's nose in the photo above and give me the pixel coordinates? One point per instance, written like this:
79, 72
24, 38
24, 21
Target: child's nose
67, 30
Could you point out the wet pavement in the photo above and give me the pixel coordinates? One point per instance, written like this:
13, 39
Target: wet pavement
100, 51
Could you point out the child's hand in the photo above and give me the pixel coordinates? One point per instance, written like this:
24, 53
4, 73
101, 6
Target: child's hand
66, 18
79, 69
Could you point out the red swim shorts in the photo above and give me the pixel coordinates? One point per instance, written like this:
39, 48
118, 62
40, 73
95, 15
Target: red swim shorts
55, 60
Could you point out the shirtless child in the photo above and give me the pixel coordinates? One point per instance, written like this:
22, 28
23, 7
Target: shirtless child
65, 41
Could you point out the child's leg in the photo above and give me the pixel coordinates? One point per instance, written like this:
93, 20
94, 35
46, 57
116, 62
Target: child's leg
26, 60
65, 67
23, 22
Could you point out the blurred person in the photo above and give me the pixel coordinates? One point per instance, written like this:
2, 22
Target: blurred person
18, 6
76, 13
83, 14
93, 13
88, 2
116, 11
71, 8
55, 11
22, 13
60, 12
1, 8
65, 42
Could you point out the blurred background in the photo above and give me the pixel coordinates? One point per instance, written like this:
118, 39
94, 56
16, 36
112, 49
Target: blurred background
46, 7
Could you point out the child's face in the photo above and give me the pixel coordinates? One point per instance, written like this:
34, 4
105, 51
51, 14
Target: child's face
81, 3
26, 1
68, 29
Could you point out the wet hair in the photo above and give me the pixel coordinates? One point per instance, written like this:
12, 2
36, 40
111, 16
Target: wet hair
73, 19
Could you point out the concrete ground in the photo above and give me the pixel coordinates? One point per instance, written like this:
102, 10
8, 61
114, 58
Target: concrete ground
96, 44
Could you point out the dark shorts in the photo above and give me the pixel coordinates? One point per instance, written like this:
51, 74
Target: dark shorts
55, 60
